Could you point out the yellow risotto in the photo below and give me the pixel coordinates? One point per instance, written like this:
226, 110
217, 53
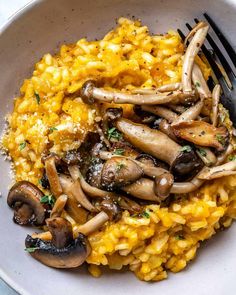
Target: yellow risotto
50, 117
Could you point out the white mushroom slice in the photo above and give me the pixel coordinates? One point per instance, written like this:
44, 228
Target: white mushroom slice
93, 224
190, 54
89, 93
190, 114
200, 82
161, 112
215, 104
218, 171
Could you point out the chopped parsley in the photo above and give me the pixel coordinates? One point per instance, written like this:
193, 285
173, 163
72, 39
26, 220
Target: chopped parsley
220, 139
197, 84
31, 249
120, 166
113, 133
22, 145
186, 148
232, 157
48, 199
179, 237
51, 129
37, 97
202, 152
119, 152
145, 214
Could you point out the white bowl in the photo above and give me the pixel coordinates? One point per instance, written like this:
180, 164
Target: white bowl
41, 27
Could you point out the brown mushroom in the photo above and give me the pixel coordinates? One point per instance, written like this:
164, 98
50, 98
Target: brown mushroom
218, 171
119, 171
51, 172
62, 251
161, 112
190, 54
183, 163
24, 197
111, 208
163, 88
74, 190
59, 206
90, 92
200, 82
215, 104
202, 133
163, 185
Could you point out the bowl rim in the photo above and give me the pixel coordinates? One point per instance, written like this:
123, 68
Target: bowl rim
10, 20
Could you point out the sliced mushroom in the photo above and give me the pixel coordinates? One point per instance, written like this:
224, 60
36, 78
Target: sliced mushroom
190, 114
161, 112
215, 104
165, 127
24, 197
93, 224
202, 133
119, 171
69, 253
163, 185
200, 82
183, 164
51, 172
59, 206
89, 92
73, 189
190, 54
218, 171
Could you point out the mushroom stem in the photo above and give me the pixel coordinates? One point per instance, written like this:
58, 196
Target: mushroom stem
215, 104
59, 206
165, 127
194, 30
200, 82
206, 155
93, 224
73, 189
190, 114
177, 108
163, 88
89, 92
218, 171
161, 112
190, 54
53, 178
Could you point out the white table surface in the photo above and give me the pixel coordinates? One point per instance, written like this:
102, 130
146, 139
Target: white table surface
7, 8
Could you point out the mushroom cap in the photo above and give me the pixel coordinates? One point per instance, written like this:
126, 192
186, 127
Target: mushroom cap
117, 172
70, 256
162, 185
111, 208
86, 92
186, 165
25, 192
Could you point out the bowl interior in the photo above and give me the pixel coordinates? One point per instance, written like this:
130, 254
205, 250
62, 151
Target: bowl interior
42, 28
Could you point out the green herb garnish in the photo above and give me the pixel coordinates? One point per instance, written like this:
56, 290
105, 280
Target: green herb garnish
179, 237
232, 157
146, 214
202, 152
31, 249
220, 139
37, 97
119, 152
197, 84
48, 199
120, 166
51, 129
186, 148
113, 133
22, 145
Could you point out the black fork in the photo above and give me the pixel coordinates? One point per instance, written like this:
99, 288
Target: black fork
228, 97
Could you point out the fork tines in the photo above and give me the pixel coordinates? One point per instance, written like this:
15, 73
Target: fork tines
223, 71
